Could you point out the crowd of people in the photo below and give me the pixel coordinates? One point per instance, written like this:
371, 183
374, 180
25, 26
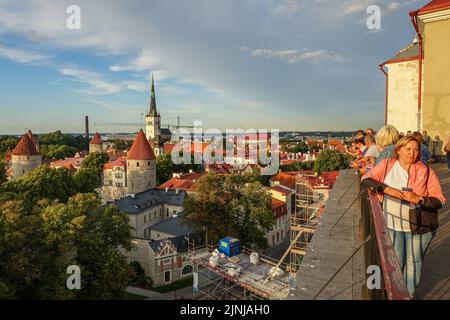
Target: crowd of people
395, 166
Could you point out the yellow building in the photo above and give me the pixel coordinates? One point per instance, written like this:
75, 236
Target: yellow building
418, 77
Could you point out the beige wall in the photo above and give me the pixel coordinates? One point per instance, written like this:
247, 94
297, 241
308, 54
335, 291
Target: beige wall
24, 164
402, 95
141, 178
436, 95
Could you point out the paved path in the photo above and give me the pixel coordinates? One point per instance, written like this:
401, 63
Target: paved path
435, 281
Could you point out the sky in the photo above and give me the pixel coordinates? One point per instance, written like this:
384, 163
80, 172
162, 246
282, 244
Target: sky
304, 65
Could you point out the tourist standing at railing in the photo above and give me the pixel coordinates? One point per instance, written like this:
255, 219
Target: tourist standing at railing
386, 139
447, 151
411, 194
424, 153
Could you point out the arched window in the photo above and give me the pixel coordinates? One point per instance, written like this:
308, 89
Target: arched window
186, 270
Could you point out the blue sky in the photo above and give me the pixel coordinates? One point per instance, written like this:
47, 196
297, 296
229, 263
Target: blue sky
275, 64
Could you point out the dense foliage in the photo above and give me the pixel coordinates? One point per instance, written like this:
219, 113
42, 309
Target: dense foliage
231, 205
331, 160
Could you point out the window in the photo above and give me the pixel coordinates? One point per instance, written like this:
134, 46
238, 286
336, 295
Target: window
167, 261
145, 219
273, 239
278, 236
186, 270
137, 164
148, 163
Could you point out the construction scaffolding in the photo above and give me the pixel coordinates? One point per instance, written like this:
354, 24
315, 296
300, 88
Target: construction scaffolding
308, 204
238, 277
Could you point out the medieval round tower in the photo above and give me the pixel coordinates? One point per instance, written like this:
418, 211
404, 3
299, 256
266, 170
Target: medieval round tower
25, 156
141, 165
96, 144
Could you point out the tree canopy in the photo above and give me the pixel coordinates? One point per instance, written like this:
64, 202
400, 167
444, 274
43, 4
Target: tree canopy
165, 168
231, 205
37, 246
53, 151
331, 160
59, 138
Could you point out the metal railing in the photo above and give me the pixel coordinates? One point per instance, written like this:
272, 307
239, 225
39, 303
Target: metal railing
379, 251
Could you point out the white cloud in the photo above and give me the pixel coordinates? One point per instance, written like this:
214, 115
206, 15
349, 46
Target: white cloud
294, 56
22, 56
97, 86
289, 7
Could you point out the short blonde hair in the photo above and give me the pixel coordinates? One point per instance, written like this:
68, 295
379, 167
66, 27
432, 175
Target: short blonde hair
386, 136
403, 142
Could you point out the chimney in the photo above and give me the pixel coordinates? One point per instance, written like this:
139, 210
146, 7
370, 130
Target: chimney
174, 175
177, 190
167, 189
86, 128
190, 170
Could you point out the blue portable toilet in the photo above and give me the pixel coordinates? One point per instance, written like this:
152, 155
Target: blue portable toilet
230, 246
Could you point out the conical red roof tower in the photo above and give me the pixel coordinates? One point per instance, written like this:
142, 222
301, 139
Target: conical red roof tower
25, 147
141, 149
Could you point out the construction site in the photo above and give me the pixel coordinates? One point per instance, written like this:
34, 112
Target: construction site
227, 273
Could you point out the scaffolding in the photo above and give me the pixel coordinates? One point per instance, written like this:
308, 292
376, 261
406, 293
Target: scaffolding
254, 281
308, 204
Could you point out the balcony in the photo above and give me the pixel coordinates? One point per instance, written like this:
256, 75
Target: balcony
351, 236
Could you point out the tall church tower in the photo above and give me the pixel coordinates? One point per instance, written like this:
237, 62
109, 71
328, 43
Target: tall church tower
153, 124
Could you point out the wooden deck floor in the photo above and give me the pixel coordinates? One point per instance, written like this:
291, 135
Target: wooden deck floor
435, 281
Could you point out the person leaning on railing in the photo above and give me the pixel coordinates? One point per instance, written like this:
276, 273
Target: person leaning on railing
447, 151
386, 138
411, 195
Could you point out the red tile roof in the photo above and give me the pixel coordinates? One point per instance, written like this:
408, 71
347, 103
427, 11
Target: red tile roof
185, 182
284, 179
30, 134
68, 163
25, 147
141, 149
120, 162
8, 154
223, 168
278, 207
325, 180
97, 139
435, 5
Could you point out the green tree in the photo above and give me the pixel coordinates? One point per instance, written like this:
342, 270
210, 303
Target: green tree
59, 138
95, 160
41, 183
37, 245
301, 146
87, 179
119, 144
2, 172
57, 151
7, 142
231, 205
331, 160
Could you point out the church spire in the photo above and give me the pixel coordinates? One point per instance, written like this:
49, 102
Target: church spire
153, 100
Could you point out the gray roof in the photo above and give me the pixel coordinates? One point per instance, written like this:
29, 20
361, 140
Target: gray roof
165, 131
148, 199
179, 242
173, 226
410, 51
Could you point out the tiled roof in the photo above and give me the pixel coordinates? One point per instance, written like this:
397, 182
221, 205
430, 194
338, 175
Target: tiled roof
68, 163
435, 5
284, 179
325, 180
278, 207
147, 199
97, 139
141, 149
179, 242
8, 154
185, 182
121, 162
25, 147
30, 135
411, 52
173, 226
